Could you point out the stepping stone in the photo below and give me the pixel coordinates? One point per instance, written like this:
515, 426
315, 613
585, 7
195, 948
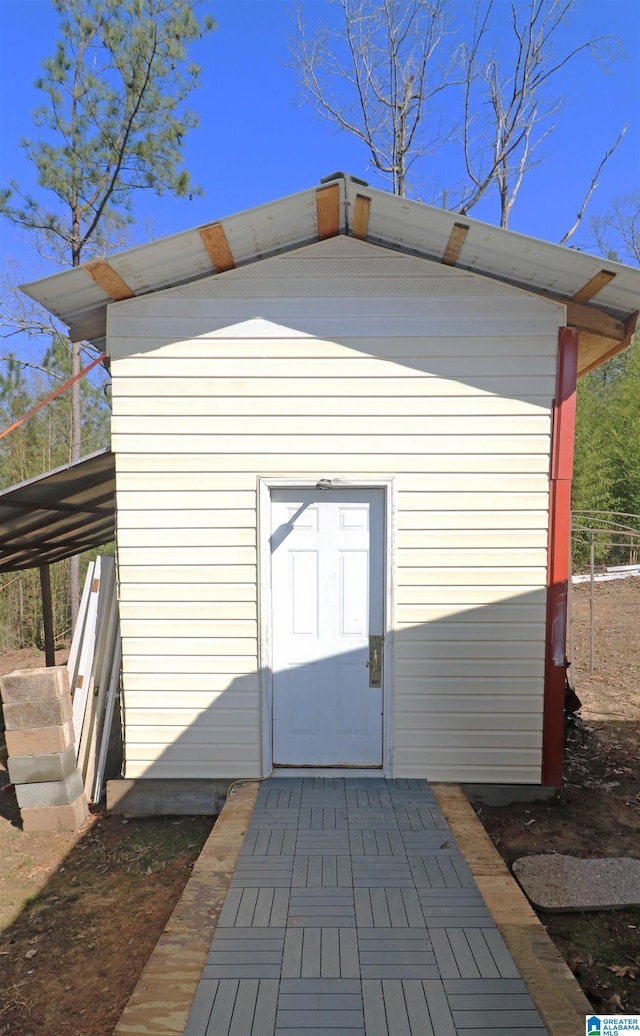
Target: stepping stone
566, 883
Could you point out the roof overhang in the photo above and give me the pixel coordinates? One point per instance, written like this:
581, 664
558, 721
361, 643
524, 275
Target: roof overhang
602, 297
59, 514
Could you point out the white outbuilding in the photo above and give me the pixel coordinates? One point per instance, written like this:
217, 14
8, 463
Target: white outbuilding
343, 431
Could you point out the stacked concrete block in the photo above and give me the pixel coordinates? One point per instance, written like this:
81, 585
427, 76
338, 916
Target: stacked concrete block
41, 749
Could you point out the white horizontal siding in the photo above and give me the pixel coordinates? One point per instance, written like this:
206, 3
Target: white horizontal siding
171, 592
228, 760
190, 401
473, 738
196, 732
189, 611
132, 477
470, 539
190, 629
465, 667
161, 556
350, 366
197, 691
411, 370
167, 329
355, 465
410, 615
450, 695
534, 389
469, 633
197, 517
439, 428
495, 452
182, 758
491, 578
163, 718
188, 574
436, 648
131, 468
474, 522
487, 766
199, 538
271, 345
154, 663
208, 646
469, 599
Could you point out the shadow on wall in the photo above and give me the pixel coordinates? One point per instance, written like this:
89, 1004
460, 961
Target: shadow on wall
467, 702
524, 366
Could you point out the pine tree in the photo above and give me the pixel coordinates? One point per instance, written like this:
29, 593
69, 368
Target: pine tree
112, 122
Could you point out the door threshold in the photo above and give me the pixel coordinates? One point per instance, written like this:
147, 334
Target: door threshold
327, 771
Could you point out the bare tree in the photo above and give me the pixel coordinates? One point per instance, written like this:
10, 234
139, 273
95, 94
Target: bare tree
382, 72
592, 186
20, 315
510, 101
379, 76
617, 232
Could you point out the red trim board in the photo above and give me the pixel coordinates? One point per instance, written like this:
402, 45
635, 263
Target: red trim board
559, 555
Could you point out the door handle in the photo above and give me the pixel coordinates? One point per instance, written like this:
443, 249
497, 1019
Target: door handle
375, 661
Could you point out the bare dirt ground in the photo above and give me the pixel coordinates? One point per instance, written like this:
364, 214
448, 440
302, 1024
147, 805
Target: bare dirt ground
599, 813
80, 914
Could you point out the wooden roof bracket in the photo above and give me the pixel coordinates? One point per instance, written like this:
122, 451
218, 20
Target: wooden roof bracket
457, 238
361, 217
630, 326
106, 278
328, 210
218, 249
593, 319
592, 287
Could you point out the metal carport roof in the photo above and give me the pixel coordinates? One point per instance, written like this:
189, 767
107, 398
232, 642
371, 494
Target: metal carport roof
58, 514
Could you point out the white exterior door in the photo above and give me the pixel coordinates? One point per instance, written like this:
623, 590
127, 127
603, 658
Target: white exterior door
327, 565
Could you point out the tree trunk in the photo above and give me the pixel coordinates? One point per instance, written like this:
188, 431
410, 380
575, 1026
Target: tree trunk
74, 562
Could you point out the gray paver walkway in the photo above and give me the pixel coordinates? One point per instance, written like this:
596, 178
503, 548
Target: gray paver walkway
352, 911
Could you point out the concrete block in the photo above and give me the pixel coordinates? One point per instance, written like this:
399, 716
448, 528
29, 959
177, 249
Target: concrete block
51, 793
34, 685
56, 818
24, 715
36, 769
40, 740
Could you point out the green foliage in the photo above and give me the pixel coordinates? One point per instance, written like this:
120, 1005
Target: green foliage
38, 445
42, 441
607, 454
113, 119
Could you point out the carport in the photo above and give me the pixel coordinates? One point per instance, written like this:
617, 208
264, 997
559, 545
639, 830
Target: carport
55, 516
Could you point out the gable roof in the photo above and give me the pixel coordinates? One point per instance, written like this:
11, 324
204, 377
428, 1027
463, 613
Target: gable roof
602, 297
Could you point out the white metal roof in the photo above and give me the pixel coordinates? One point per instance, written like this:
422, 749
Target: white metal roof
393, 222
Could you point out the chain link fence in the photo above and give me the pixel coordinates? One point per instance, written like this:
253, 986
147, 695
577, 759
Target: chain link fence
605, 546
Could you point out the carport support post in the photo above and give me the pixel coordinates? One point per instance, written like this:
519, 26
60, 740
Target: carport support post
47, 616
559, 556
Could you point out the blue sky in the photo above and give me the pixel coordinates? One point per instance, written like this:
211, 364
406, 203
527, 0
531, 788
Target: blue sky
253, 144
